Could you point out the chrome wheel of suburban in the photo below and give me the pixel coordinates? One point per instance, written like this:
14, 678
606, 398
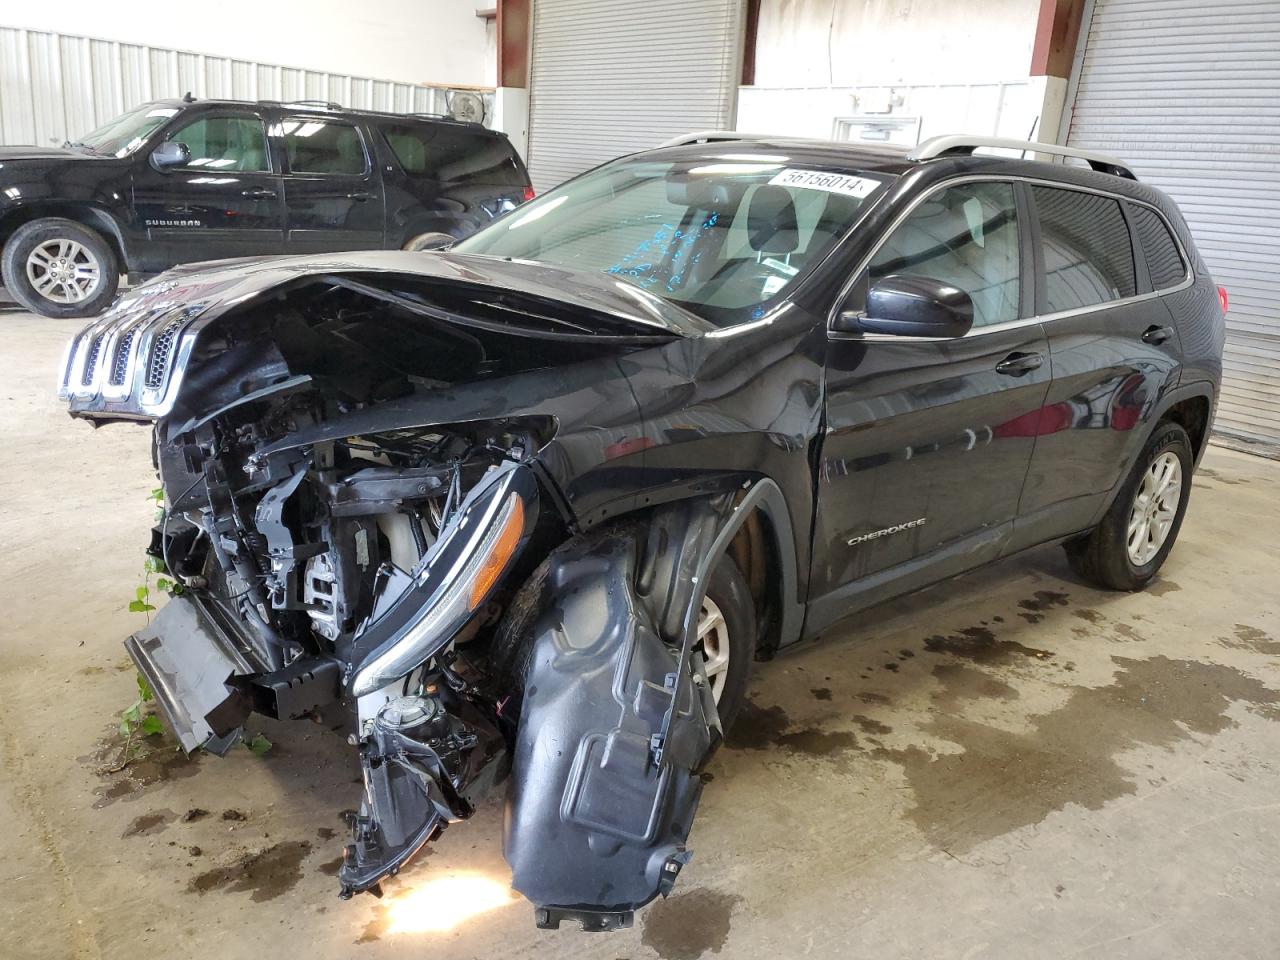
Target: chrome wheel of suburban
1155, 507
713, 638
63, 270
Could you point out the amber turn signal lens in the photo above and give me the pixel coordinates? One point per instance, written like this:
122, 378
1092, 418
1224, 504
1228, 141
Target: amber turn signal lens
504, 546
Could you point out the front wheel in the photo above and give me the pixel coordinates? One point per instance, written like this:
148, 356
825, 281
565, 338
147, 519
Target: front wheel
726, 638
1126, 549
59, 268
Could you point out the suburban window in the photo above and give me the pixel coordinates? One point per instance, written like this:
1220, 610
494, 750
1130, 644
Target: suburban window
321, 146
1164, 263
1088, 256
453, 156
226, 144
966, 235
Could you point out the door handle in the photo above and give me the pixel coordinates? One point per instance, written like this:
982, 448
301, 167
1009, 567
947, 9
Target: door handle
1157, 334
258, 193
361, 195
1017, 364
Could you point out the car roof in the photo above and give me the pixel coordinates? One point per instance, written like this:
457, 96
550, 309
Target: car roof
895, 161
323, 107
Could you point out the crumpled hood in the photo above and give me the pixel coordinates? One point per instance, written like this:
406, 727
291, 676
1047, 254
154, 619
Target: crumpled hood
596, 292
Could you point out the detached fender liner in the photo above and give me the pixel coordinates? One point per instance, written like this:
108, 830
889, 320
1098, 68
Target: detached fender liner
596, 827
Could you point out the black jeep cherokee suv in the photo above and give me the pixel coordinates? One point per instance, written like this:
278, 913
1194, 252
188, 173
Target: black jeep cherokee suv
178, 181
536, 504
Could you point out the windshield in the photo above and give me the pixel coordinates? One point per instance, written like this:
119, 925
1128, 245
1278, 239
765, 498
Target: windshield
127, 132
721, 237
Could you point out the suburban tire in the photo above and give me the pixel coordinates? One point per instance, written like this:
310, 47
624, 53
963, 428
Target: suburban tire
1126, 549
429, 241
59, 268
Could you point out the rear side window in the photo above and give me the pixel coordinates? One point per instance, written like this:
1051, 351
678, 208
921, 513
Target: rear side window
1163, 260
1088, 256
455, 156
323, 146
964, 235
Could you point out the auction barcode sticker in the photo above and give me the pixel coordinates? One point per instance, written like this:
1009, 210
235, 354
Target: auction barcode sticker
848, 184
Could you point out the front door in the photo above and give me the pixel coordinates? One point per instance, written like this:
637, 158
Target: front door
223, 202
927, 442
333, 192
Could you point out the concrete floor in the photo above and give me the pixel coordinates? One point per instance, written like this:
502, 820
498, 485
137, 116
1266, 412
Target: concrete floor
1009, 765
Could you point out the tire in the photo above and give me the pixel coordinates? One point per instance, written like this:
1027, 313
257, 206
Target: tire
1108, 556
728, 591
31, 258
429, 241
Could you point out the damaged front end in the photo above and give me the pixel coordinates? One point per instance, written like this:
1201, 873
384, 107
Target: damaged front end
366, 534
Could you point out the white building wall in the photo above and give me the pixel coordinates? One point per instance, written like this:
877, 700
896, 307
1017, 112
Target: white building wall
955, 66
435, 42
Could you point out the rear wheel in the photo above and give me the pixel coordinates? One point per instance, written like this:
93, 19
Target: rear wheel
1130, 544
59, 268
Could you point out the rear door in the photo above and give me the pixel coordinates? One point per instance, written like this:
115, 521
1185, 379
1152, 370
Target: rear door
224, 202
333, 194
927, 441
1113, 346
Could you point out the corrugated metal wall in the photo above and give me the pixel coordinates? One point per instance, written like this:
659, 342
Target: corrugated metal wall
1189, 93
55, 87
612, 76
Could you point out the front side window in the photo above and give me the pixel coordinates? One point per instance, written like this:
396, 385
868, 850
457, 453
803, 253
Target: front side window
322, 146
1088, 256
1164, 263
721, 236
226, 144
454, 156
967, 236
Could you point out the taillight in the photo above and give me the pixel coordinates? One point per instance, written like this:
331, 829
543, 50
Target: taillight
529, 195
1222, 299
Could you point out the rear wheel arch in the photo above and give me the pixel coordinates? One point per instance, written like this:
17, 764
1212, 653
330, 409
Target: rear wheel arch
1192, 414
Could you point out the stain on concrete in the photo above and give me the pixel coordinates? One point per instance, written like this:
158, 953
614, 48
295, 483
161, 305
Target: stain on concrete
149, 823
330, 868
1161, 587
159, 763
980, 645
234, 815
821, 693
194, 814
1034, 608
325, 833
961, 683
266, 874
891, 667
1215, 475
1252, 638
1000, 780
767, 728
873, 698
1125, 633
1086, 613
872, 726
687, 925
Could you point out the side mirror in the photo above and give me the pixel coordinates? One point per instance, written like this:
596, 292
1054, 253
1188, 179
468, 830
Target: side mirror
171, 153
911, 307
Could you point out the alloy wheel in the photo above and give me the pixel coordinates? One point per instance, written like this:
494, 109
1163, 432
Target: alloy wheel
1155, 507
713, 639
63, 270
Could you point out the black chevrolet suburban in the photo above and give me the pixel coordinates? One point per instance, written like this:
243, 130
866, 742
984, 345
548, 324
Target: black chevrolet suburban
177, 181
534, 505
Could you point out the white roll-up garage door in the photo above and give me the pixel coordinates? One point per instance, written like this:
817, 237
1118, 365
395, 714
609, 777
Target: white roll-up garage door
613, 76
1188, 91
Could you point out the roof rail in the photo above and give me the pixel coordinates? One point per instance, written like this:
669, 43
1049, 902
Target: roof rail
706, 136
962, 145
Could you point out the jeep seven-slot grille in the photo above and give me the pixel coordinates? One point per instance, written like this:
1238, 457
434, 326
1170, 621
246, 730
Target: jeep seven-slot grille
126, 360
